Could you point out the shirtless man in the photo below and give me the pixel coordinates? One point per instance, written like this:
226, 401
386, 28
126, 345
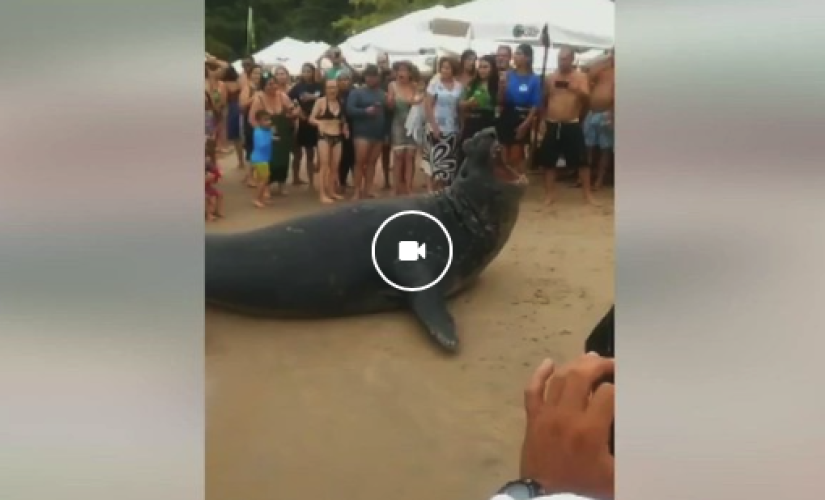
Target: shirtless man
601, 114
604, 85
566, 93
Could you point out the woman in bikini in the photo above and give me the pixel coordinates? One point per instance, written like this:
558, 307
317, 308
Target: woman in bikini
402, 96
282, 113
328, 116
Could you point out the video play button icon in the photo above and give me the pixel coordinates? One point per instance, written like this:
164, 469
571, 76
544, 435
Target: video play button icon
412, 251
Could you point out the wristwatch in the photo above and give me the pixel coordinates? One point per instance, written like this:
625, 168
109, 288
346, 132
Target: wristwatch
522, 489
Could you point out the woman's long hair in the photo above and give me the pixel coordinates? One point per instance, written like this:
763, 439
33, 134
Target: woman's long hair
527, 52
492, 80
467, 54
313, 72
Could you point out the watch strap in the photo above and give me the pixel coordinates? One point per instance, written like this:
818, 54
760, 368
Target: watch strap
531, 485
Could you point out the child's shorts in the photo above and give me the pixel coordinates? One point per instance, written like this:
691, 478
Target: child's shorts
212, 191
262, 169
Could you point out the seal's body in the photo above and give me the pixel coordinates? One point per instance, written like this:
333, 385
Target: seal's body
320, 265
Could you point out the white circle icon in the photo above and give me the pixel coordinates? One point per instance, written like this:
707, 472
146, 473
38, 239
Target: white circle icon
415, 248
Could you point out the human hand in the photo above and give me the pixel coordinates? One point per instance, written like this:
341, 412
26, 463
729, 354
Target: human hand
522, 130
565, 445
371, 110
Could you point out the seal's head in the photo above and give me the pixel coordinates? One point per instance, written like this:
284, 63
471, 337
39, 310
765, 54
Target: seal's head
485, 183
484, 160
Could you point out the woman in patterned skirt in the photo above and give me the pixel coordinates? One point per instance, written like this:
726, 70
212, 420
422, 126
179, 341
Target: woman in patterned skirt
441, 110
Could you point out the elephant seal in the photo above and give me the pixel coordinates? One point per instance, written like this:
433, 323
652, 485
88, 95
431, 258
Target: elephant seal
320, 265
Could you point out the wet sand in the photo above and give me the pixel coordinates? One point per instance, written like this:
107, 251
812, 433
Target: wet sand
367, 408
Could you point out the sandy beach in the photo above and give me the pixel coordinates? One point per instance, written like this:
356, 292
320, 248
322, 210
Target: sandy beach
367, 408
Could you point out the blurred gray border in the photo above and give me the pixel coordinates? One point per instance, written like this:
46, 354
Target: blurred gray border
719, 250
720, 244
101, 261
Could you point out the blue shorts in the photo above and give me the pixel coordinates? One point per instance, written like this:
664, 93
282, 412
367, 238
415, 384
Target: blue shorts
597, 133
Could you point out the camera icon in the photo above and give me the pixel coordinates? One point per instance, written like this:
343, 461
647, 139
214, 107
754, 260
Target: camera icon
410, 251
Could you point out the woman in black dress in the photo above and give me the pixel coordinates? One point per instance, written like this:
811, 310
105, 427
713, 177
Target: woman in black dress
304, 94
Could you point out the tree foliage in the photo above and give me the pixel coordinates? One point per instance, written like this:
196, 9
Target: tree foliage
330, 21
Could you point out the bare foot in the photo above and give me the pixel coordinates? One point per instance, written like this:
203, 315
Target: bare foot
298, 182
549, 200
592, 202
337, 196
327, 201
267, 195
211, 218
259, 204
219, 215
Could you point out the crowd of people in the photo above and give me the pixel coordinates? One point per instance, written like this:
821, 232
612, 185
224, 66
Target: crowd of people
342, 123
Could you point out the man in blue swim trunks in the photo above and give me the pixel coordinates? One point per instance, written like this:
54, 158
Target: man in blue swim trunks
602, 100
598, 136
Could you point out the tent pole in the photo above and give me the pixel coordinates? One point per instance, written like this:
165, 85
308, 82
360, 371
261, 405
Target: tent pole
545, 42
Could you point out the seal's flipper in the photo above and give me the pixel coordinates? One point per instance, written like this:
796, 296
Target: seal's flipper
430, 305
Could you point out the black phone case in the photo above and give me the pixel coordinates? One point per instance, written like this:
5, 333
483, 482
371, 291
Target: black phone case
602, 341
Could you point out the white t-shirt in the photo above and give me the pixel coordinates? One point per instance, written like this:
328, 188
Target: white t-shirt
445, 108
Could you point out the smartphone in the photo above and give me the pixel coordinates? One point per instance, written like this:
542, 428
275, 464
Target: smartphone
561, 84
602, 341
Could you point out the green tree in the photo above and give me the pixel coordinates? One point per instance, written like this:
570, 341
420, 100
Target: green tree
370, 13
329, 21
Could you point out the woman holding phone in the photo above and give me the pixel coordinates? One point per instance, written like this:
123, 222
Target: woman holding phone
478, 105
401, 98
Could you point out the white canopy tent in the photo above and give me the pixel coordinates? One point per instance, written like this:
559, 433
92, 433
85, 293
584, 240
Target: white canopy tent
290, 53
579, 23
408, 37
405, 35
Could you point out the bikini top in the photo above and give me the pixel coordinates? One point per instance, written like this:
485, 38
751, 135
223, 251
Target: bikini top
327, 114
